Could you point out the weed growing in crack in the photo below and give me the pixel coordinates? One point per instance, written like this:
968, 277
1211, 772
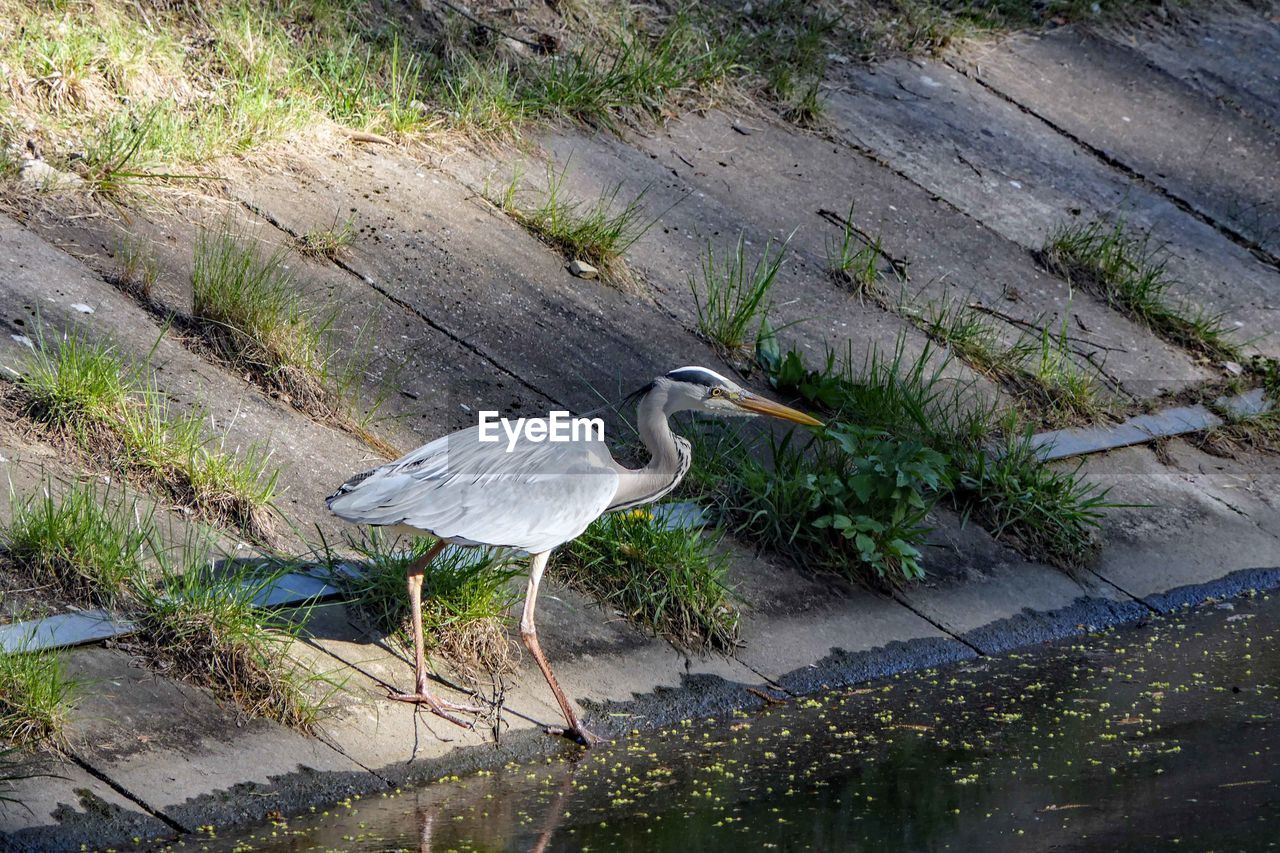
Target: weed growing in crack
992, 472
852, 261
1038, 370
203, 625
1132, 276
671, 581
466, 595
83, 394
326, 243
138, 268
36, 696
1047, 512
599, 231
81, 542
248, 307
732, 297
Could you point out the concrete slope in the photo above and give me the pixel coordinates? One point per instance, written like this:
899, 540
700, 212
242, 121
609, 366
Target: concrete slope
1200, 151
1016, 174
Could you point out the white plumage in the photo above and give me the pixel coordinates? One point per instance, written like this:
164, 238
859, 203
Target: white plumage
535, 496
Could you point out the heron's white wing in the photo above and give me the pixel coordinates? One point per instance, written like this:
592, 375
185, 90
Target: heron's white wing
534, 496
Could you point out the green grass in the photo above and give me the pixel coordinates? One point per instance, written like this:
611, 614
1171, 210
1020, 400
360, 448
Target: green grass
598, 231
636, 77
202, 625
139, 271
853, 261
328, 242
1132, 276
672, 582
83, 543
466, 596
1045, 511
991, 473
732, 296
249, 308
1038, 370
83, 393
36, 695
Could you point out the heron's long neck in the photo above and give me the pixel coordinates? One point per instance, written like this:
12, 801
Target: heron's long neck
668, 462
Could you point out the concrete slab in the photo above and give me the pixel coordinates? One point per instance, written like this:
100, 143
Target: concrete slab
1232, 55
1203, 152
382, 735
468, 271
40, 286
184, 755
815, 313
63, 629
793, 620
1188, 523
1013, 173
780, 179
425, 383
61, 807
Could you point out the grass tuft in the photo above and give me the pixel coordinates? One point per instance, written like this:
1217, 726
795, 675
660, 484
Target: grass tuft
853, 261
670, 581
204, 627
1132, 276
138, 268
732, 298
1039, 371
36, 696
599, 231
465, 599
250, 310
326, 243
84, 544
83, 394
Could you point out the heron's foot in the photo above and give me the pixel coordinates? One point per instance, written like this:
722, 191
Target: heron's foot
440, 707
578, 735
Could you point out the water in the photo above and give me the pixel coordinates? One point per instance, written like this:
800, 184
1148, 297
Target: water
1161, 737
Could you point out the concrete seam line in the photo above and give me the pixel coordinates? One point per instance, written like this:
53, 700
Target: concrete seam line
1109, 582
1259, 253
405, 306
944, 629
128, 795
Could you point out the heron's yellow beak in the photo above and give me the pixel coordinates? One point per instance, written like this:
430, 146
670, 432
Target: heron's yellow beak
761, 406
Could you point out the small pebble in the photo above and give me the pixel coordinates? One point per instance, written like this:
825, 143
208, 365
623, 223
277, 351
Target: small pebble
582, 269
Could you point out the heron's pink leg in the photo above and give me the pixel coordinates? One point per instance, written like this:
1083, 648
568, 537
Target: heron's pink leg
529, 633
423, 696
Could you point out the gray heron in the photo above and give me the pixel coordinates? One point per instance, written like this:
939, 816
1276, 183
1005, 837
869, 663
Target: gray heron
533, 496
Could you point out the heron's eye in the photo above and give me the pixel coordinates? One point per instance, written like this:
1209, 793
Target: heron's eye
716, 392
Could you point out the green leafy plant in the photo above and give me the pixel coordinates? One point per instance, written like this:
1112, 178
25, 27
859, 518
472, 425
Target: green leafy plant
853, 501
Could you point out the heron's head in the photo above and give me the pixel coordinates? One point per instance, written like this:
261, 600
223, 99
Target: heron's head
701, 390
